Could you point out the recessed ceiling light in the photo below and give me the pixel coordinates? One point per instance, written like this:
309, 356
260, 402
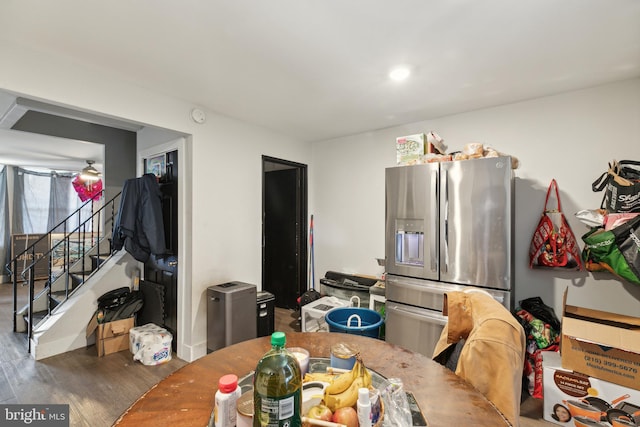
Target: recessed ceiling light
399, 73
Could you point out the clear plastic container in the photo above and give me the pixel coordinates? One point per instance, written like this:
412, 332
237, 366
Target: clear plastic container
343, 356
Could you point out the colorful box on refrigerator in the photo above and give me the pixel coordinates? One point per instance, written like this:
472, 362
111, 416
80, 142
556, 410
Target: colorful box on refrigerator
410, 148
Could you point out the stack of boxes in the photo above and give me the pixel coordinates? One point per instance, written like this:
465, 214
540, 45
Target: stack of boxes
596, 379
150, 344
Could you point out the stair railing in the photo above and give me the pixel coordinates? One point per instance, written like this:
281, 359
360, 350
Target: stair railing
104, 215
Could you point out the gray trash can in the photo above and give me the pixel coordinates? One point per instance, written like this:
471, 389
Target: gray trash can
230, 311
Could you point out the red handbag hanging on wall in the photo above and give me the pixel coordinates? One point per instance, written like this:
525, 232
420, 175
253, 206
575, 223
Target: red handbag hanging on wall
553, 243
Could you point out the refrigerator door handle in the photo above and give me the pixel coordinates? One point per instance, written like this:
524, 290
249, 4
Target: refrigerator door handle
445, 201
419, 314
499, 298
433, 249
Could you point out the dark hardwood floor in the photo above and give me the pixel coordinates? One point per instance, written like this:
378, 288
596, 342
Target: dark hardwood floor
286, 320
99, 390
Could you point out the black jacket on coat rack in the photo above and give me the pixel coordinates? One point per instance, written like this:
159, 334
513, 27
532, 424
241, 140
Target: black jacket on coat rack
139, 227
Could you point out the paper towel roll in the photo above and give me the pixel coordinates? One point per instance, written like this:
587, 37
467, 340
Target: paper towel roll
150, 344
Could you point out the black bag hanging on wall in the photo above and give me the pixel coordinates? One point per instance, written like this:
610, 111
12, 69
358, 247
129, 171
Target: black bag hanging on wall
622, 186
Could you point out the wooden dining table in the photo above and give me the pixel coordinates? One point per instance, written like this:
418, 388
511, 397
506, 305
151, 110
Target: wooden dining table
186, 397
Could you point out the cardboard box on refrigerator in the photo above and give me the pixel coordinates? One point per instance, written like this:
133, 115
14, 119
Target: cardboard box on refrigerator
601, 344
411, 148
575, 399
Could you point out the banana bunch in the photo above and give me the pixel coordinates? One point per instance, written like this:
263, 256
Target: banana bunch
318, 376
343, 390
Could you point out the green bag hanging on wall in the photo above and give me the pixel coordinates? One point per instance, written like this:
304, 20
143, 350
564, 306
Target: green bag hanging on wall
616, 250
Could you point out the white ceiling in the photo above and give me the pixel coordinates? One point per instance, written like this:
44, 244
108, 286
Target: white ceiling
317, 69
40, 152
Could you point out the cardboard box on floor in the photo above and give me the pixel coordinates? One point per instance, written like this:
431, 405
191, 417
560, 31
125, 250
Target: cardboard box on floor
111, 337
572, 399
600, 344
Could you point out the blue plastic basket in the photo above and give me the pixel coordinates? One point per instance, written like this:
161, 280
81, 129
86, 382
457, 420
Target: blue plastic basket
352, 320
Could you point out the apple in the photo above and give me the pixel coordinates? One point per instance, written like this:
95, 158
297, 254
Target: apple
320, 412
347, 416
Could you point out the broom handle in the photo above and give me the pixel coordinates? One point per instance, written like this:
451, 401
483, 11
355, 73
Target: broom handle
313, 273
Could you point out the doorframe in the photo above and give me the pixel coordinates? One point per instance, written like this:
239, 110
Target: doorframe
184, 315
302, 206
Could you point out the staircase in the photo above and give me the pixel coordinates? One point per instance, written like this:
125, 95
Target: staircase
78, 248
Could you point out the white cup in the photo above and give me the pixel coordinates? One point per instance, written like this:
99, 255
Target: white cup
244, 420
302, 356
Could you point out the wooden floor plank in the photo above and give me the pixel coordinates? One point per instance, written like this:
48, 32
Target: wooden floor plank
6, 391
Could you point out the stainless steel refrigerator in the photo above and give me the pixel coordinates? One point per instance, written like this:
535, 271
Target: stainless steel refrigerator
449, 226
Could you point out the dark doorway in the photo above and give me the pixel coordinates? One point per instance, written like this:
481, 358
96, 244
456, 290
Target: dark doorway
161, 273
284, 230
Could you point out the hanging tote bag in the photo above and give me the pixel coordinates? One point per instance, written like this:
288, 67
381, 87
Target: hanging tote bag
553, 243
87, 191
622, 186
616, 250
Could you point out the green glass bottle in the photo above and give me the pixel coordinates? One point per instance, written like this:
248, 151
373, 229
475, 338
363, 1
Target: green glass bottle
277, 387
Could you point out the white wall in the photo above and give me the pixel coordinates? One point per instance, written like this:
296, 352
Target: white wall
570, 137
227, 206
224, 156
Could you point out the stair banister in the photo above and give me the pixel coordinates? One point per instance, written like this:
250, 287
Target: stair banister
81, 232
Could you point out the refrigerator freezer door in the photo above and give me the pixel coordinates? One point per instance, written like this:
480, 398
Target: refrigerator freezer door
476, 222
414, 310
414, 328
429, 294
421, 293
411, 240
